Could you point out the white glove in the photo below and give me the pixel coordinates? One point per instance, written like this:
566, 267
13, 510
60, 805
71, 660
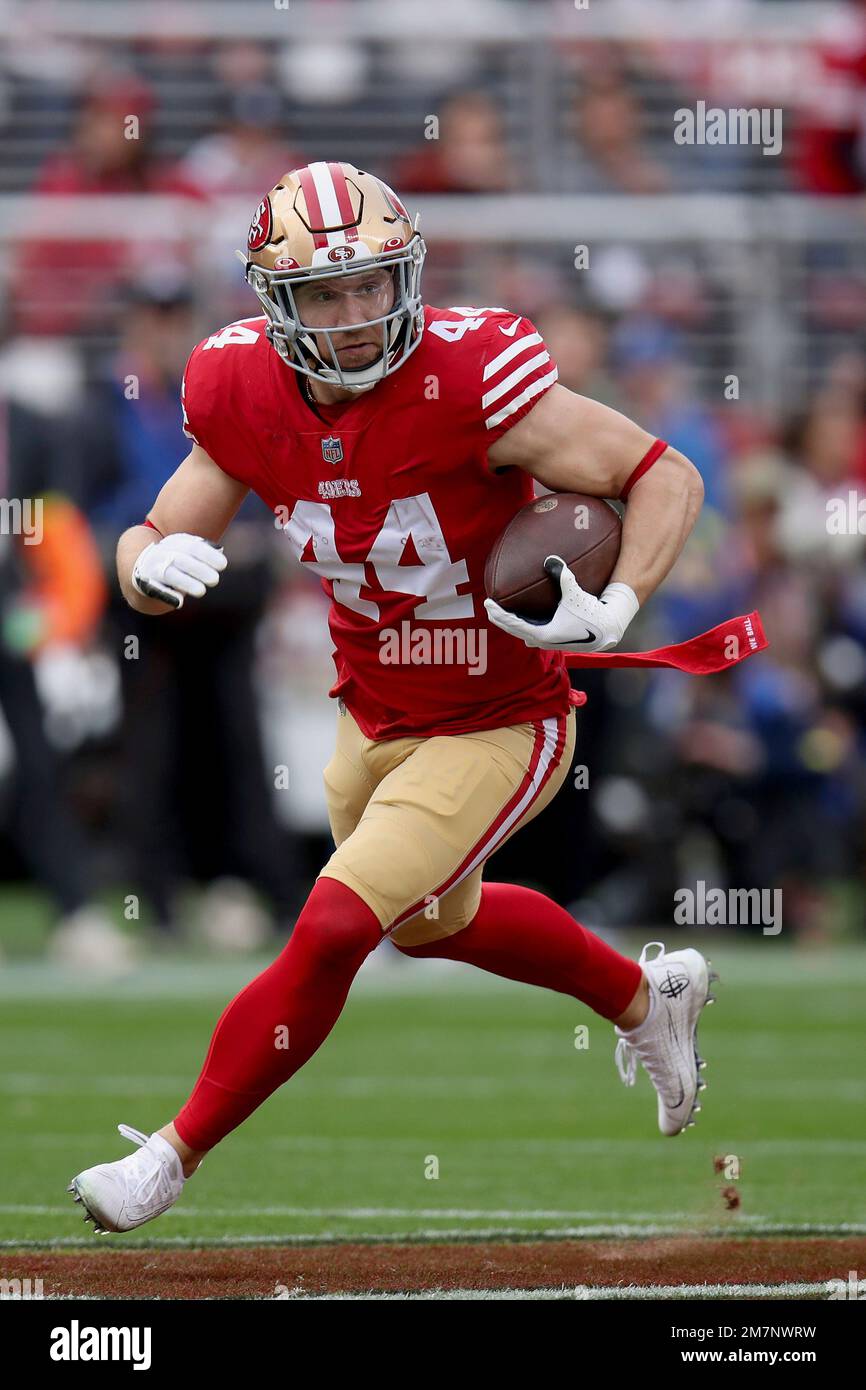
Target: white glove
581, 623
178, 565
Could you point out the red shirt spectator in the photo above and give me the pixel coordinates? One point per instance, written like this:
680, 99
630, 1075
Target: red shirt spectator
108, 155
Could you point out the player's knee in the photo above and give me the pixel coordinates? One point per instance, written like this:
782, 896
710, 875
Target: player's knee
336, 927
333, 948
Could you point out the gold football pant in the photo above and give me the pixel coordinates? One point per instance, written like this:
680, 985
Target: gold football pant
414, 819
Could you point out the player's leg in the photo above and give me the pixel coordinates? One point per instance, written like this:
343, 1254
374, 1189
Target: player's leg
518, 933
523, 935
299, 997
276, 1024
263, 1037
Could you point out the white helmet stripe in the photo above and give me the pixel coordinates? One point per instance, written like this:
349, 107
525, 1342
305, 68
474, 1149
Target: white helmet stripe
327, 195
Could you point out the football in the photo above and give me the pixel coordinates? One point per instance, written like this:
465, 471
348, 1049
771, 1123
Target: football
584, 531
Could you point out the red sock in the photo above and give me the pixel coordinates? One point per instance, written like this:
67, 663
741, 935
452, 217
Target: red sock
282, 1017
522, 935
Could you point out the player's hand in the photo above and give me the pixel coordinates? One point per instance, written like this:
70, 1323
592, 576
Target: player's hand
581, 623
177, 566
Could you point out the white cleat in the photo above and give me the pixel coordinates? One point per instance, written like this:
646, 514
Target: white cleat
666, 1042
118, 1196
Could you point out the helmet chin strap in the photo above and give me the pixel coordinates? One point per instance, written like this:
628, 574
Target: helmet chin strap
353, 381
357, 387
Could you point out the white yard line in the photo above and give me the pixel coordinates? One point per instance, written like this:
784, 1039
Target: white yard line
746, 969
608, 1148
618, 1230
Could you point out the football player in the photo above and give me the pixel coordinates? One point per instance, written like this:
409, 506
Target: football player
393, 442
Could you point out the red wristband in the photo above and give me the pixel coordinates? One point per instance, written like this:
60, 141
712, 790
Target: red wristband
654, 452
147, 522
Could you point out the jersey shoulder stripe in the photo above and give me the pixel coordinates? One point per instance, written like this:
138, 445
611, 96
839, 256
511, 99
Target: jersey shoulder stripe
516, 403
515, 350
514, 373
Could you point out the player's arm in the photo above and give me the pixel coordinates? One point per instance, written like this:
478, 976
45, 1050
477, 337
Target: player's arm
181, 557
573, 444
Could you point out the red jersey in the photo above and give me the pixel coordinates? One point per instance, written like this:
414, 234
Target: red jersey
389, 498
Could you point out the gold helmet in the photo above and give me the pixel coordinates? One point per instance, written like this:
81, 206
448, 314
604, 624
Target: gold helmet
327, 220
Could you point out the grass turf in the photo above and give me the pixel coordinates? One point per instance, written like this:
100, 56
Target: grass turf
445, 1069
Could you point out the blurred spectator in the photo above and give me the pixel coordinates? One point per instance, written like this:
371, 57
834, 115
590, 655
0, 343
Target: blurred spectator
470, 154
757, 779
246, 157
111, 152
577, 341
242, 63
131, 412
783, 779
191, 738
650, 359
251, 151
830, 148
52, 596
825, 442
610, 153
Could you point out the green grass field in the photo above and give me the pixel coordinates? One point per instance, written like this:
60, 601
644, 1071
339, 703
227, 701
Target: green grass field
530, 1133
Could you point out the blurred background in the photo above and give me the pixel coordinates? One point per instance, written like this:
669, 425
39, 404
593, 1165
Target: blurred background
160, 781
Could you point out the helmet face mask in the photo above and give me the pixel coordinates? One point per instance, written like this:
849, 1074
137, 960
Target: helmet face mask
291, 220
295, 341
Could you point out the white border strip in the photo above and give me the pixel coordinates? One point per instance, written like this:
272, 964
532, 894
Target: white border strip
645, 1293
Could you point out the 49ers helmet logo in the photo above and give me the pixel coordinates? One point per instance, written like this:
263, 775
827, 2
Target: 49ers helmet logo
261, 226
341, 253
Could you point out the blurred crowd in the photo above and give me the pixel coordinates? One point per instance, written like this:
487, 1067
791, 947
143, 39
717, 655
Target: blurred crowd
139, 756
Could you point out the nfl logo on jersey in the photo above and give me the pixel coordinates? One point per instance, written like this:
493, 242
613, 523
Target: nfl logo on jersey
332, 449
